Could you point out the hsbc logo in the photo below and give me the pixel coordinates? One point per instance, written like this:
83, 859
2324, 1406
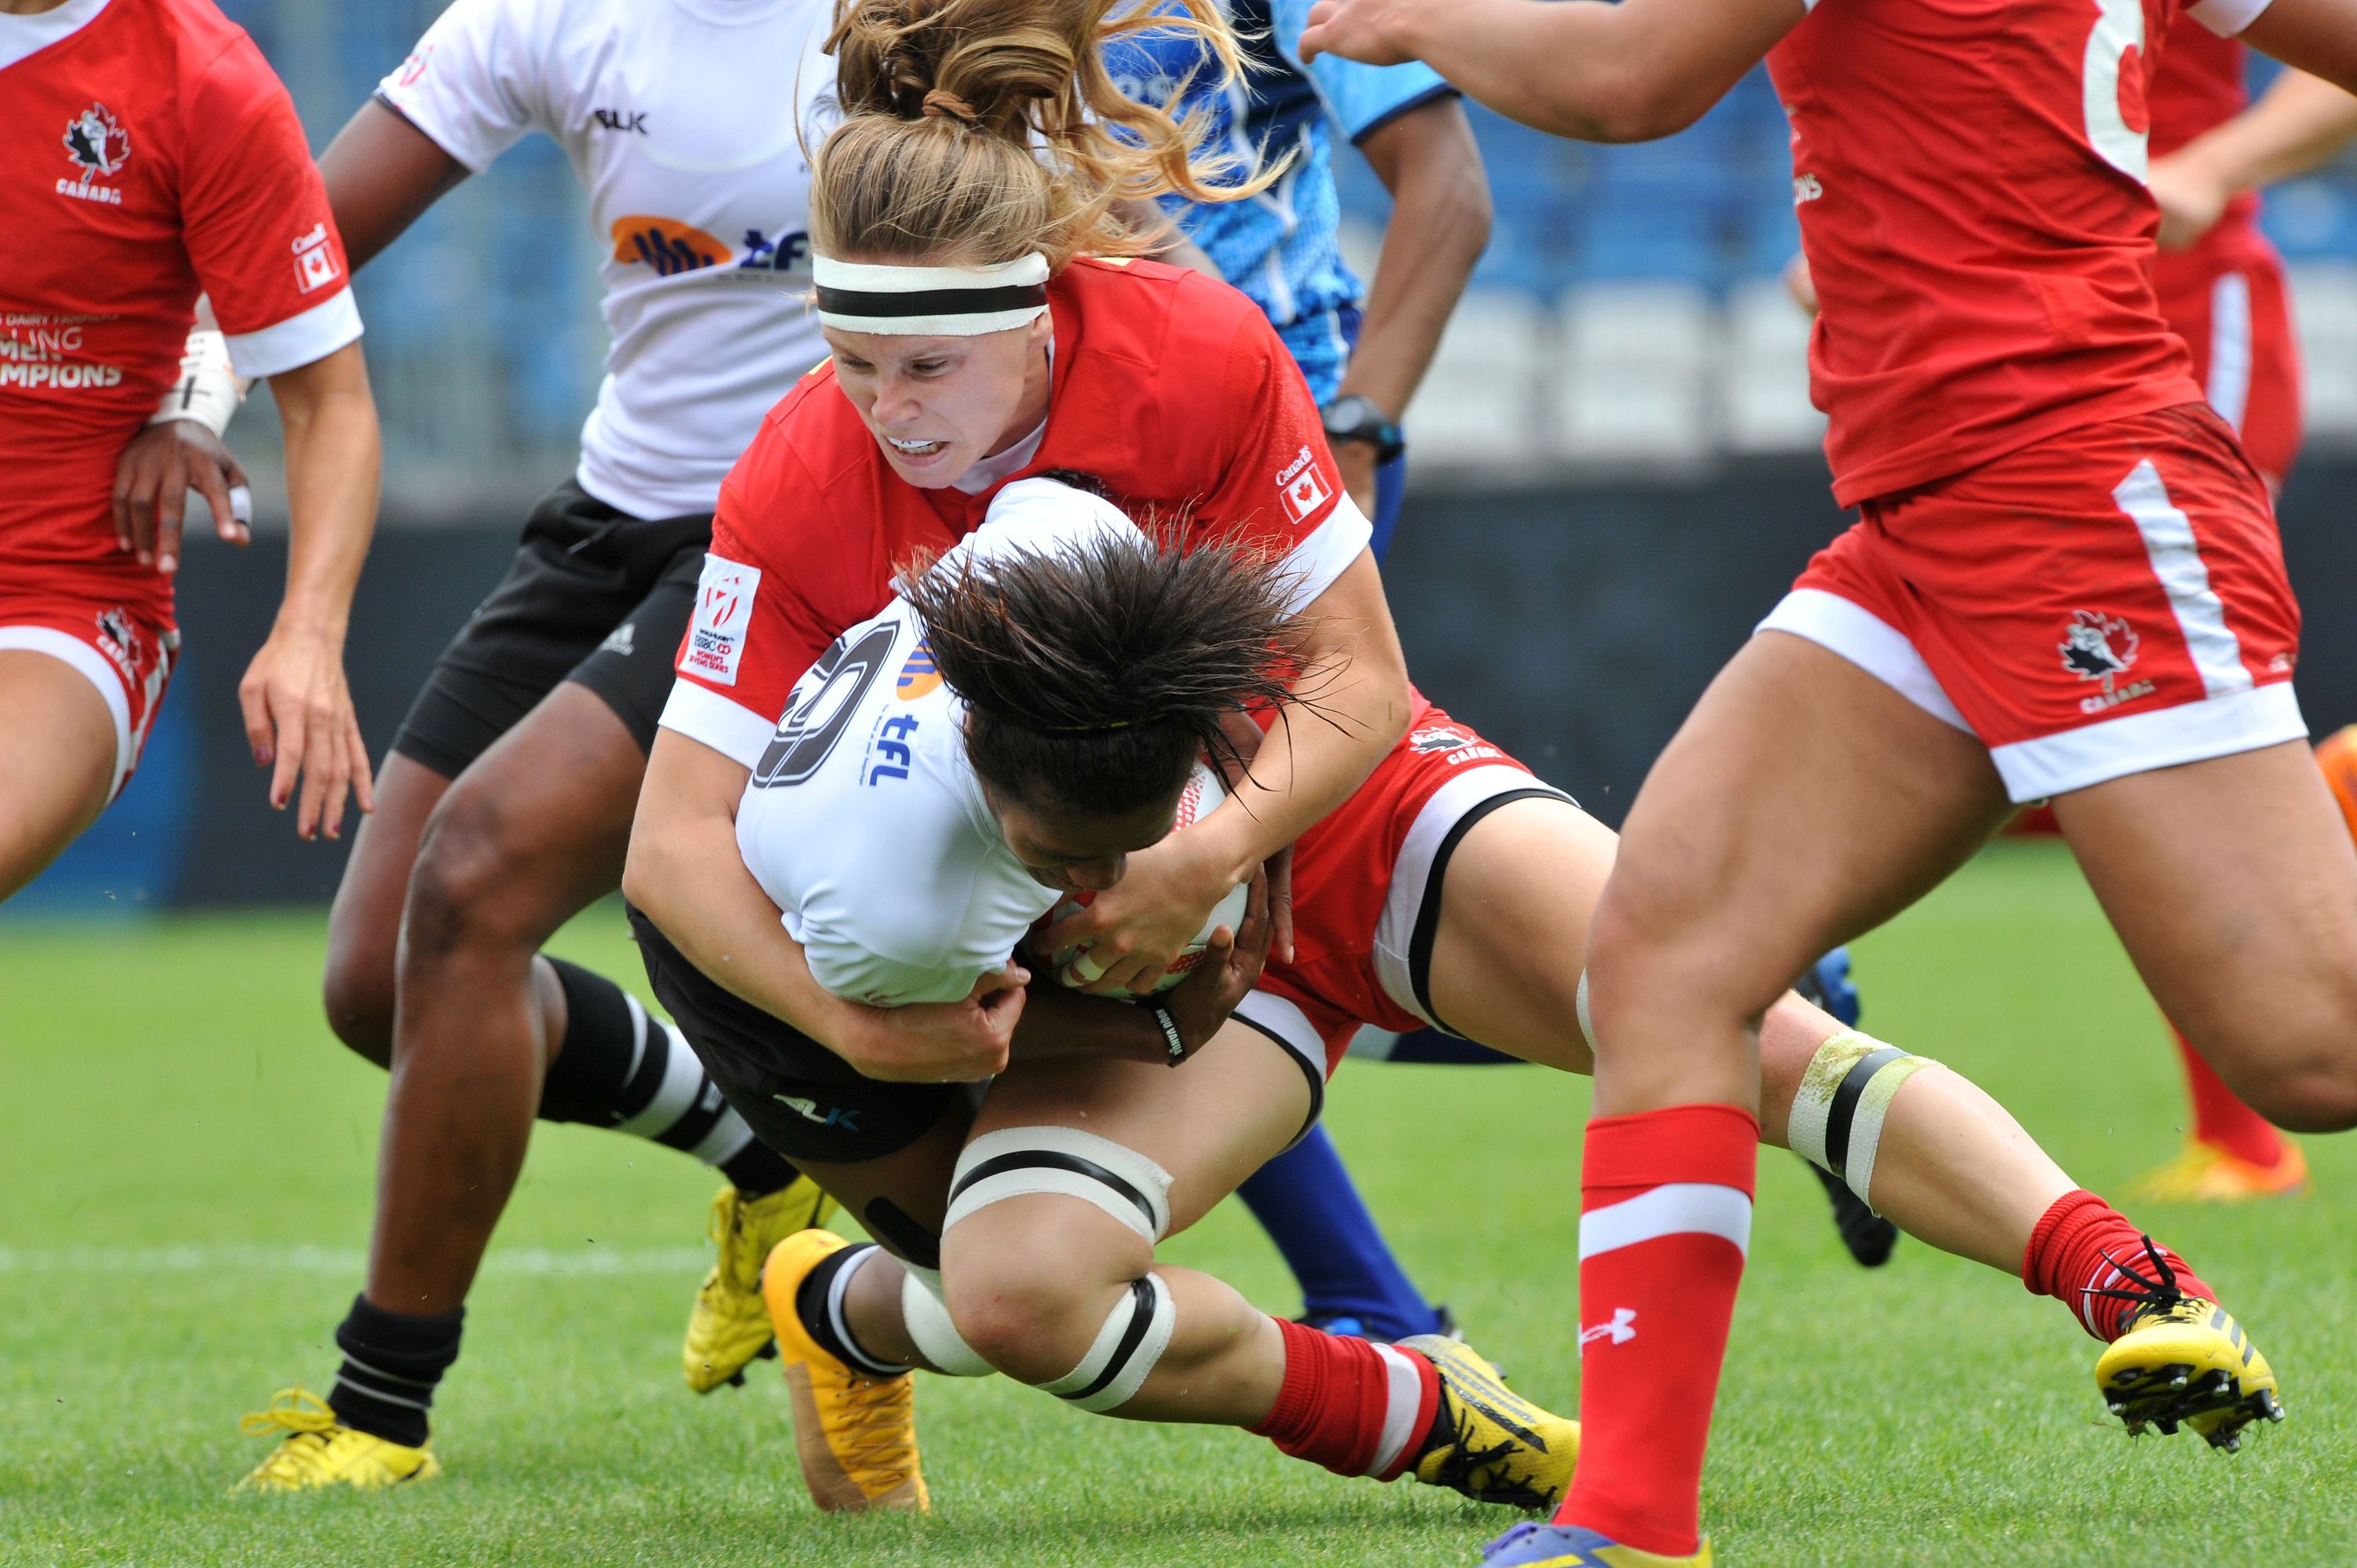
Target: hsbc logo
724, 610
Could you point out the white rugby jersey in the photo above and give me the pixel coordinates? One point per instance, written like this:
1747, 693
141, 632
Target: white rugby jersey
862, 820
681, 120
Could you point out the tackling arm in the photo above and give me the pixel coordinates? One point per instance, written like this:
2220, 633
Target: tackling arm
1631, 72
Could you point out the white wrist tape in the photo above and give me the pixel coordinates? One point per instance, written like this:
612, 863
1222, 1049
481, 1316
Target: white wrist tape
208, 389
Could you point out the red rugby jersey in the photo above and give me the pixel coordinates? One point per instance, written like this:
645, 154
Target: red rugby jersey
1969, 175
2198, 85
1171, 389
148, 154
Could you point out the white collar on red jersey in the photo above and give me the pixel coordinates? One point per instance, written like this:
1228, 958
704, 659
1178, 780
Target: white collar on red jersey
929, 302
23, 35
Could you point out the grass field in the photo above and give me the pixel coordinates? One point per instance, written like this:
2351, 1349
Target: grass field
185, 1184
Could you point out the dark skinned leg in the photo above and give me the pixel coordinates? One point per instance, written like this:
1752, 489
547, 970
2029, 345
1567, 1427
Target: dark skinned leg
526, 838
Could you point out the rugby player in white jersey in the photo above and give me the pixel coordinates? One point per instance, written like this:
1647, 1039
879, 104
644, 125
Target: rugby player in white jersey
505, 806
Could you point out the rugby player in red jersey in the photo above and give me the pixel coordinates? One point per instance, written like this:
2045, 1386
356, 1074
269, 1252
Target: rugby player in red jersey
2222, 288
2066, 583
149, 156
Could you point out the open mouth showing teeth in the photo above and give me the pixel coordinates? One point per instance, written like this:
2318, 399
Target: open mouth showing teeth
913, 449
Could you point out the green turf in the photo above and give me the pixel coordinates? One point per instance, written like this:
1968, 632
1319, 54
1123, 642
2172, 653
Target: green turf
185, 1184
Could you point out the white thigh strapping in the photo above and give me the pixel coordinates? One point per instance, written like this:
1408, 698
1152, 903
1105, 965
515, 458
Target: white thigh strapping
1013, 1161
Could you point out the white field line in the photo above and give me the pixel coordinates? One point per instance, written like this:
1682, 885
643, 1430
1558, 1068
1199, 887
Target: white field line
686, 1262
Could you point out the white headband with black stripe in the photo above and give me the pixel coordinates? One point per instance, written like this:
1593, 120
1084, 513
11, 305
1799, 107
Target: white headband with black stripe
931, 302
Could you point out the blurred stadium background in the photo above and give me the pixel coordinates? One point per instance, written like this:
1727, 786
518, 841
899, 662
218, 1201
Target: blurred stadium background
1618, 420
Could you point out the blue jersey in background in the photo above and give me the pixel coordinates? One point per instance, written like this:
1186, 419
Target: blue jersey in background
1279, 247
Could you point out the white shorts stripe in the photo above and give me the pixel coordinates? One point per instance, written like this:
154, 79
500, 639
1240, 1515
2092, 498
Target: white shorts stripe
1403, 1393
1411, 871
94, 668
1674, 1209
1867, 641
2176, 557
2229, 391
2191, 732
1276, 1015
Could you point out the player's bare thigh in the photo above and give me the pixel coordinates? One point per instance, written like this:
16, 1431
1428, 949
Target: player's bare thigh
57, 761
2234, 884
1801, 804
1515, 901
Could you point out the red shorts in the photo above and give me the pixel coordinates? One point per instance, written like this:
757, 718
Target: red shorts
126, 652
1366, 892
2237, 320
2103, 602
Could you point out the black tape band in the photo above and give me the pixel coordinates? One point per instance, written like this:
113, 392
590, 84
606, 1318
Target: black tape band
930, 301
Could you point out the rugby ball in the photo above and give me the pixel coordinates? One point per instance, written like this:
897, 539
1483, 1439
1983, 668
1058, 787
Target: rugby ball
1073, 966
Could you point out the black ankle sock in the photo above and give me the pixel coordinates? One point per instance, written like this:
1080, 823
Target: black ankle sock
618, 1067
813, 1307
392, 1363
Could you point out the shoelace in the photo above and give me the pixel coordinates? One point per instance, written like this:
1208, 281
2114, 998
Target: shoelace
875, 1434
2158, 1293
291, 1410
1489, 1472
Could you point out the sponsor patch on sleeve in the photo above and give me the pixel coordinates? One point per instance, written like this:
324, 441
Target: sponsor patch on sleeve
723, 612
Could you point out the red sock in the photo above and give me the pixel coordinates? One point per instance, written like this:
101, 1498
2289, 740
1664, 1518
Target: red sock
2219, 1118
1356, 1408
2080, 1247
1665, 1216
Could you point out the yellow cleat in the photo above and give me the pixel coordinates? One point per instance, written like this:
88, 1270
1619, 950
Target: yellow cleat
730, 1324
2184, 1362
2206, 1173
1489, 1443
318, 1452
855, 1434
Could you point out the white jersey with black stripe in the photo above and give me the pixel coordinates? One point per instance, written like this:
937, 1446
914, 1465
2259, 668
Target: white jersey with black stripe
862, 820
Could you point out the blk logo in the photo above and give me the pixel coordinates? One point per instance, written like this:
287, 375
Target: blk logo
626, 121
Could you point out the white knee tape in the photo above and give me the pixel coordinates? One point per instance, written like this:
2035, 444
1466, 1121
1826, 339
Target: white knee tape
1579, 1008
1018, 1160
1135, 1332
929, 1329
1837, 1118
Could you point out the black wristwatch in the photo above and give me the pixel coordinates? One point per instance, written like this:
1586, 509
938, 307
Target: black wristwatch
1356, 418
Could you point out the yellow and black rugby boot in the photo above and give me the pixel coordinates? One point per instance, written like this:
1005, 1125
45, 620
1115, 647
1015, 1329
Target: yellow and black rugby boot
730, 1324
2182, 1361
1487, 1441
1571, 1546
317, 1452
855, 1434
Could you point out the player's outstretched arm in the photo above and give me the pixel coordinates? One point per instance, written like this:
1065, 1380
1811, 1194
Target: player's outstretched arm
1439, 225
2298, 125
381, 172
685, 873
1596, 71
298, 709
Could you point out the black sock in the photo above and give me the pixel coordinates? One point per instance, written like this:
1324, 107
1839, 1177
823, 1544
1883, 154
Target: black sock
618, 1067
392, 1363
819, 1307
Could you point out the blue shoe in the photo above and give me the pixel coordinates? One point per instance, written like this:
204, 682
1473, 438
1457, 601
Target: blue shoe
1827, 983
1571, 1546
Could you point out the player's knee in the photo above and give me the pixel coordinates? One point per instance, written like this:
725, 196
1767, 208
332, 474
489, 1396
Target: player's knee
2312, 1092
358, 993
1029, 1315
463, 890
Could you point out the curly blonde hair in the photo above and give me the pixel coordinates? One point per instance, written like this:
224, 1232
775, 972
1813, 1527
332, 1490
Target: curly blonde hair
975, 131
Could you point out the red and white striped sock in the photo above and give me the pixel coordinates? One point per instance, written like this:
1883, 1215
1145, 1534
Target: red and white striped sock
2075, 1253
1356, 1408
1665, 1219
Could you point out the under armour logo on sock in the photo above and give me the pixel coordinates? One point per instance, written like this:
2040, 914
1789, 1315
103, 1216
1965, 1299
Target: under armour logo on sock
1621, 1330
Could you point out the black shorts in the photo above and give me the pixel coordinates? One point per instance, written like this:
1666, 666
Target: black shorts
799, 1098
596, 597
